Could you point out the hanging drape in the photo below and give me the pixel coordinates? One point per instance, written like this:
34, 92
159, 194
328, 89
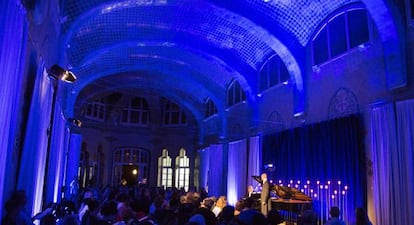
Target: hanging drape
13, 30
392, 135
204, 164
33, 161
327, 151
56, 157
254, 160
405, 187
237, 171
215, 170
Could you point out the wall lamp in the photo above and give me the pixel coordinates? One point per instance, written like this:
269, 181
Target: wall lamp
58, 73
75, 122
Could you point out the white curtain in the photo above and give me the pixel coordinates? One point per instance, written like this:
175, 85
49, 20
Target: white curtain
215, 174
403, 166
13, 30
204, 164
237, 171
56, 157
33, 161
255, 160
392, 135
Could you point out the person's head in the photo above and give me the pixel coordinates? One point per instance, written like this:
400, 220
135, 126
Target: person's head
197, 219
263, 176
249, 189
208, 203
221, 202
19, 197
227, 214
239, 205
258, 219
274, 217
69, 220
334, 212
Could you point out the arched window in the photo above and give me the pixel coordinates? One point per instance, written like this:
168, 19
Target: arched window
272, 73
130, 166
136, 112
343, 31
210, 107
235, 94
96, 109
173, 114
182, 171
164, 170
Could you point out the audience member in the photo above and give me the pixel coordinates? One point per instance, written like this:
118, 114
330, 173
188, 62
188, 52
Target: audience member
226, 216
220, 204
307, 216
334, 220
205, 211
274, 217
16, 213
197, 219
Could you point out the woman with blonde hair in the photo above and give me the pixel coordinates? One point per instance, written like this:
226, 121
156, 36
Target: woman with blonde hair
220, 204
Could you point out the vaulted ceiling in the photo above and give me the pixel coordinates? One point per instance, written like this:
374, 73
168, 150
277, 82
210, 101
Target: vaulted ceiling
186, 50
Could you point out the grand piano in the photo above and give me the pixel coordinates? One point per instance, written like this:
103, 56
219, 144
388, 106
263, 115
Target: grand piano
287, 199
286, 193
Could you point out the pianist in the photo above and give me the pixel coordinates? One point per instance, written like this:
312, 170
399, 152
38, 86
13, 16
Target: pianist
249, 191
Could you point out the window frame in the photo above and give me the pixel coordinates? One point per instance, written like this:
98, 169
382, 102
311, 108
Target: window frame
98, 107
142, 111
211, 108
235, 93
165, 170
267, 67
326, 25
182, 171
172, 110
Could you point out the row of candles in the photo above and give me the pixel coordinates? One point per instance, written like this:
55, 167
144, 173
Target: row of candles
324, 194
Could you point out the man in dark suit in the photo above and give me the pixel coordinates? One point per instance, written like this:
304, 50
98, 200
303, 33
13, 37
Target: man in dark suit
265, 195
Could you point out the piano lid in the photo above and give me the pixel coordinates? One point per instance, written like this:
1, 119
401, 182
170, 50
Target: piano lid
285, 192
258, 179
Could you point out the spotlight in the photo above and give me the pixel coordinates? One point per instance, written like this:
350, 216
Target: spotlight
58, 73
75, 122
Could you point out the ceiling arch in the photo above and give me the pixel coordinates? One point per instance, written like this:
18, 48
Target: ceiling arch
207, 72
143, 83
225, 31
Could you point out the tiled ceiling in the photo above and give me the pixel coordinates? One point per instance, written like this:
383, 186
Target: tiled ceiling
203, 45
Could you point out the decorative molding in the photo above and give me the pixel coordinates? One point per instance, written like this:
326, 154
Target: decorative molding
343, 103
